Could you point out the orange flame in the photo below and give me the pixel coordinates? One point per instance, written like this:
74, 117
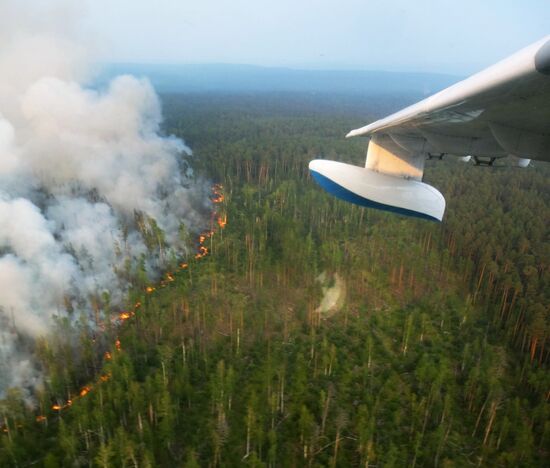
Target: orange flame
125, 315
202, 251
222, 221
217, 195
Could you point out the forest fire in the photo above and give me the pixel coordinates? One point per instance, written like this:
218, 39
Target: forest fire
82, 393
125, 316
217, 193
222, 221
202, 251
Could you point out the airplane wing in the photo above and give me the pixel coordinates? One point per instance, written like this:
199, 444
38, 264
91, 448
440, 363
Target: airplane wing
503, 110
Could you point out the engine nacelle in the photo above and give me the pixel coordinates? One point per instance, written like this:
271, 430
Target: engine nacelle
372, 189
523, 162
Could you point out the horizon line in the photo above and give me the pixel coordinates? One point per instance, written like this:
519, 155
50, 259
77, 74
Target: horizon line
297, 68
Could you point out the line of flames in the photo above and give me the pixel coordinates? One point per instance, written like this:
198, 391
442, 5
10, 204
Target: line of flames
220, 220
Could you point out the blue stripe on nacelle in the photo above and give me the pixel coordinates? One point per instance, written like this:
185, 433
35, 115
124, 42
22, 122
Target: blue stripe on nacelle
340, 192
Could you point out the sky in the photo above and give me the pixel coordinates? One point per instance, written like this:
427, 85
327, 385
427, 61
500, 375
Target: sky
449, 36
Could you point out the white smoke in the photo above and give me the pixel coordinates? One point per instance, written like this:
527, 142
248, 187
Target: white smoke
82, 175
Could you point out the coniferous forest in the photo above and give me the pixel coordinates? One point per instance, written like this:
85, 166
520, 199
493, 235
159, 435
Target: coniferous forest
306, 331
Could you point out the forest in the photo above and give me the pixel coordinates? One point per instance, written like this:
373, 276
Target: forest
435, 353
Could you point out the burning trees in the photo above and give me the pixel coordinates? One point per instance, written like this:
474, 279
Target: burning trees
218, 222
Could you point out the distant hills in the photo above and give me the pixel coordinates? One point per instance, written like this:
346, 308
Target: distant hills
256, 79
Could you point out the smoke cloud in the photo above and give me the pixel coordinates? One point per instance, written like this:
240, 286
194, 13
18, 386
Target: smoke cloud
88, 185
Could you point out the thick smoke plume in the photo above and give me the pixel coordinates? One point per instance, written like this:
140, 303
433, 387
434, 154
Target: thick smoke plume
88, 186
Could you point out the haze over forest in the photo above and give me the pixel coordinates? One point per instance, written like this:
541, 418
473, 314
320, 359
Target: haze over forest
176, 291
432, 350
249, 79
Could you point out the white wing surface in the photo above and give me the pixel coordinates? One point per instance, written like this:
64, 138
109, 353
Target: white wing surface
503, 110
